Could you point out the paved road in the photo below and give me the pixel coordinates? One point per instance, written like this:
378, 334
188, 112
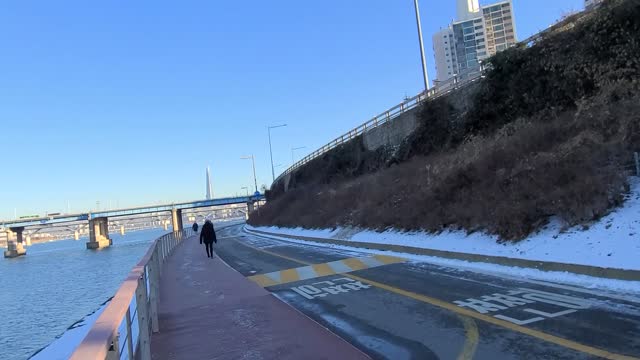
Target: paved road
392, 308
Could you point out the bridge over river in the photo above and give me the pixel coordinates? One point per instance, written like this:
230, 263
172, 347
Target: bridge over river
98, 222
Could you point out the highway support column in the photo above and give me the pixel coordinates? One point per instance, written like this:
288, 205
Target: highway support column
176, 219
99, 233
15, 247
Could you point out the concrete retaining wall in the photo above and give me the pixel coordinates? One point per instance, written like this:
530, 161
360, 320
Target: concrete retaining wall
393, 132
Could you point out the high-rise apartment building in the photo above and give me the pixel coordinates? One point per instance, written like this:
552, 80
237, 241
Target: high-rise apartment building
478, 33
499, 26
445, 54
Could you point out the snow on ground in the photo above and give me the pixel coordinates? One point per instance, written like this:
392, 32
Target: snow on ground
613, 241
550, 278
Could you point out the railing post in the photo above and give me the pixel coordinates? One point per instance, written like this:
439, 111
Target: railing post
114, 351
129, 335
637, 158
154, 278
143, 319
164, 247
159, 259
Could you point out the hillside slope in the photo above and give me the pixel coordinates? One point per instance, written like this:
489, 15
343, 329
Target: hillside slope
550, 132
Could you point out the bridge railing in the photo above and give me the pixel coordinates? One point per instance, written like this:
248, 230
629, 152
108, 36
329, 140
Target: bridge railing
123, 330
381, 119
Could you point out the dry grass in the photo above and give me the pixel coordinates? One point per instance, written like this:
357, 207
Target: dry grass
544, 136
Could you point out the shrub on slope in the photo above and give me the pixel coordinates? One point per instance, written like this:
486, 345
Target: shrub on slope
544, 136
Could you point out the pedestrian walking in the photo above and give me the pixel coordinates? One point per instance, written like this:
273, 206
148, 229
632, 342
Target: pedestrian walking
195, 227
208, 236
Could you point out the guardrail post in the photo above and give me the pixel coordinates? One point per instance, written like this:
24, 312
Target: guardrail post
388, 116
129, 335
637, 158
143, 319
164, 247
114, 351
154, 278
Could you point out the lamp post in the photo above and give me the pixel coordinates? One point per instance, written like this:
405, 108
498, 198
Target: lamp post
245, 188
424, 60
293, 161
273, 173
253, 162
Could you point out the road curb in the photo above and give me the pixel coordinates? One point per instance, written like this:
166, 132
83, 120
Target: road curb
601, 272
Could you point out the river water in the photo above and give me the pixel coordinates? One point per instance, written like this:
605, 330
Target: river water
58, 283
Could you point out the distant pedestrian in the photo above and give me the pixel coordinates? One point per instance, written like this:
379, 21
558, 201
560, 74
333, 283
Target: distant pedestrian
195, 227
208, 235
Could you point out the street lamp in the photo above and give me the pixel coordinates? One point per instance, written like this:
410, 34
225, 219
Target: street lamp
424, 60
245, 188
293, 161
255, 180
273, 173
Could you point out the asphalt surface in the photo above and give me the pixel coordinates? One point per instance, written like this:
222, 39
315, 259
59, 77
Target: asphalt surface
394, 308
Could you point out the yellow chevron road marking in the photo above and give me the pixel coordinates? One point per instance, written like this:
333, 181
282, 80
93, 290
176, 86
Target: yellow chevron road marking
355, 264
323, 269
319, 270
289, 275
389, 259
263, 280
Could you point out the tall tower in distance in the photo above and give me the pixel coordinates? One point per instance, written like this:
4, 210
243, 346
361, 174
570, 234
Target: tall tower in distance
209, 190
467, 9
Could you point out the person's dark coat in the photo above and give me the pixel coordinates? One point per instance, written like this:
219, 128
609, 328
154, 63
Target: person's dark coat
208, 234
195, 227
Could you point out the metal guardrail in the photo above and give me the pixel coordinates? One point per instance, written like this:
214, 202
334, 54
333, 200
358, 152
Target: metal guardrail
123, 330
381, 119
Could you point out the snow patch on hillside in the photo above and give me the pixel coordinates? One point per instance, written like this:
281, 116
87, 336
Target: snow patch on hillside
612, 242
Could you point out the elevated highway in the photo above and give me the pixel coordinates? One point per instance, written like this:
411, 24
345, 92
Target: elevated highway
98, 222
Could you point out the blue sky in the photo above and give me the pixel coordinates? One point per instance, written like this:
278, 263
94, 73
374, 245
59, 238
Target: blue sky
126, 102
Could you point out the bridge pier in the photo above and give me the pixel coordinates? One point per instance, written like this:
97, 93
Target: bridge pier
15, 248
99, 233
176, 219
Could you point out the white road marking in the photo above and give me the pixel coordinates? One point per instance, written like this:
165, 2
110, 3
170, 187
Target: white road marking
332, 287
306, 272
522, 296
275, 276
339, 267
